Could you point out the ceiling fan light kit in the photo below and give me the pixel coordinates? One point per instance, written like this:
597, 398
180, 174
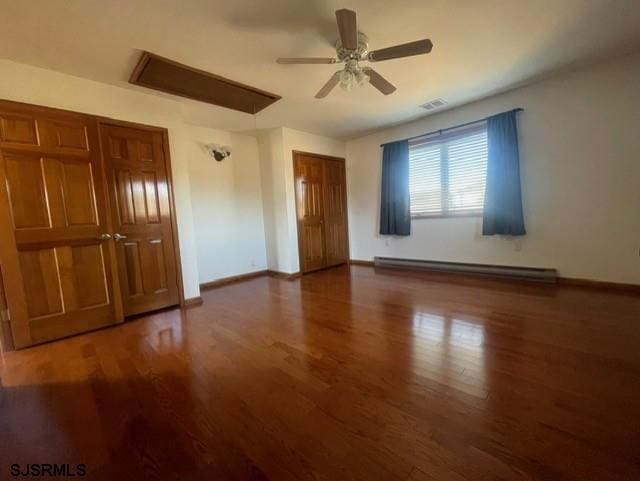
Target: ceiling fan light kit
352, 47
352, 75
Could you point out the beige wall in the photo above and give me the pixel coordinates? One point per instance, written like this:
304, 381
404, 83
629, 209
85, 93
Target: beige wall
579, 146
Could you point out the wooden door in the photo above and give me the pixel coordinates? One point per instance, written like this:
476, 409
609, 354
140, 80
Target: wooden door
335, 213
309, 182
321, 205
53, 220
138, 188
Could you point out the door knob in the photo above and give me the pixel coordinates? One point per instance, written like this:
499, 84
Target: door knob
118, 237
104, 237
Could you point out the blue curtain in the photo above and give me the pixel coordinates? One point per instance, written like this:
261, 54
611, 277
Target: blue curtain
395, 217
503, 196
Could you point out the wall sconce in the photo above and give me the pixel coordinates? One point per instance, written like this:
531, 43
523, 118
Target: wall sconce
218, 152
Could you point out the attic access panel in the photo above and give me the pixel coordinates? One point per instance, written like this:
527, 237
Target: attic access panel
171, 77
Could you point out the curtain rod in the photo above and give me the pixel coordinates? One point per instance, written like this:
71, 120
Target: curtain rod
440, 131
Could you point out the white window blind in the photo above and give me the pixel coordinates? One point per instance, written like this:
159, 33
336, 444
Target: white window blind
447, 173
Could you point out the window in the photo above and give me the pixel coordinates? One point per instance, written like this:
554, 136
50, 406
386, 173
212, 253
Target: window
447, 173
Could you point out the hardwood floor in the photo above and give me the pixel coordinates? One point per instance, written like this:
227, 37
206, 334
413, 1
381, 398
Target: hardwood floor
342, 375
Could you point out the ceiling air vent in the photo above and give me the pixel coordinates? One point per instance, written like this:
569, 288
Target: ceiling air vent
434, 104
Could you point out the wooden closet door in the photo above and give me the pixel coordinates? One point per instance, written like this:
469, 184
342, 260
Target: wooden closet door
139, 192
335, 213
53, 217
309, 186
321, 205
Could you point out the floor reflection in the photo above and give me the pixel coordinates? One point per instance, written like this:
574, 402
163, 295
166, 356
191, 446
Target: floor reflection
451, 349
428, 325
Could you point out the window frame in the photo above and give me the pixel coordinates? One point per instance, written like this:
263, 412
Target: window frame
442, 139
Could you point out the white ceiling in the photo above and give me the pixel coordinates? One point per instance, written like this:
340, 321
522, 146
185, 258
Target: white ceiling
480, 47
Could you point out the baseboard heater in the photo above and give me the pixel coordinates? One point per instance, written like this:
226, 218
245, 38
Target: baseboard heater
526, 273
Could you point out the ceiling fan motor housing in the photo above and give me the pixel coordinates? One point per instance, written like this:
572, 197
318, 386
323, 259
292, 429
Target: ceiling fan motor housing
360, 53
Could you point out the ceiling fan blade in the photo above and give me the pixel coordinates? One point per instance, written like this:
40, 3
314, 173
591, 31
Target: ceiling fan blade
348, 28
418, 47
305, 60
379, 82
328, 87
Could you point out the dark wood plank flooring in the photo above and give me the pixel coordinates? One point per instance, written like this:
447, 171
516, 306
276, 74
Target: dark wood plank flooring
345, 374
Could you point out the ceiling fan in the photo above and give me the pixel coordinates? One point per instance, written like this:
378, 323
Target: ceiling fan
352, 48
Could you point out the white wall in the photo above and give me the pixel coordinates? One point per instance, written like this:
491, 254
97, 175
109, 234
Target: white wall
276, 157
579, 147
227, 205
274, 201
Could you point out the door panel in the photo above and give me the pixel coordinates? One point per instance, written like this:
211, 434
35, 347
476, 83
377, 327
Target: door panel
71, 193
20, 129
26, 190
131, 263
151, 203
336, 238
124, 197
83, 277
41, 282
314, 248
155, 267
53, 212
310, 210
136, 168
64, 135
77, 183
145, 151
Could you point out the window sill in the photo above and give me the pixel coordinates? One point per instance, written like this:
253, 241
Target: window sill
449, 215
